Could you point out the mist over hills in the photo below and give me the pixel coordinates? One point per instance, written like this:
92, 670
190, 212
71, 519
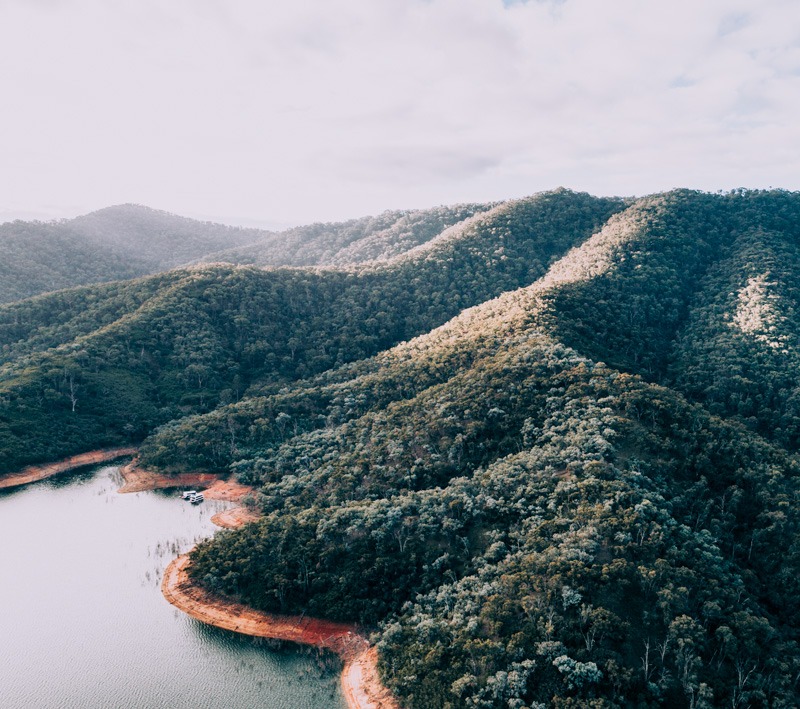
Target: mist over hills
111, 244
547, 448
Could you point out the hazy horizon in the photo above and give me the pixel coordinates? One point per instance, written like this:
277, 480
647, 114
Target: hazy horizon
265, 224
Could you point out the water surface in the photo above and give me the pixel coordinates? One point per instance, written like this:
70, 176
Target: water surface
83, 623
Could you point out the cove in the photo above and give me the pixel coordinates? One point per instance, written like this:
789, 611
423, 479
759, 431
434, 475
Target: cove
83, 622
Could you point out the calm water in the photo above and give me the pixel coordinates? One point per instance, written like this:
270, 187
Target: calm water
83, 623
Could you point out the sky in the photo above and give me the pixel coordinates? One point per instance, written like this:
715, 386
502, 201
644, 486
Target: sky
271, 113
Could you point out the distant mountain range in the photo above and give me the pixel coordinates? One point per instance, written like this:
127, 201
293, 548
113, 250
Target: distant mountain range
110, 244
129, 240
547, 449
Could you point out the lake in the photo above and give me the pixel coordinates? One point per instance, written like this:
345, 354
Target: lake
83, 623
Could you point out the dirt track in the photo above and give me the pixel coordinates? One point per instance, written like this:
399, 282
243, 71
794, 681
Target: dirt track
34, 473
360, 680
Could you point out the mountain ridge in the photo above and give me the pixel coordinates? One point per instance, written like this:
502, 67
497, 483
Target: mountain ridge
193, 336
131, 240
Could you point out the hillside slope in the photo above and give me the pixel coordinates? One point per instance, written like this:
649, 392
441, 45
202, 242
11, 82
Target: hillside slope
628, 296
105, 364
129, 240
539, 515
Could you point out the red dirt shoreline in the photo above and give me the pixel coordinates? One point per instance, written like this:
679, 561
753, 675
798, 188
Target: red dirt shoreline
360, 681
233, 518
139, 480
34, 473
214, 488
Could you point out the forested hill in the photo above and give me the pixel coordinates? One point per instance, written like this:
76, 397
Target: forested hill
377, 238
111, 244
129, 240
549, 456
104, 364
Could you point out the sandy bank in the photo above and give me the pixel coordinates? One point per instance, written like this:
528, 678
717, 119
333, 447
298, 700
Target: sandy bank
362, 685
228, 490
235, 517
34, 473
139, 480
360, 681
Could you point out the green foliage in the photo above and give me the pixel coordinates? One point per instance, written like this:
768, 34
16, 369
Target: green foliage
597, 540
738, 353
652, 256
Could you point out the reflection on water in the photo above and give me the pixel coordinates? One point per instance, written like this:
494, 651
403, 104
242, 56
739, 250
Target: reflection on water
83, 623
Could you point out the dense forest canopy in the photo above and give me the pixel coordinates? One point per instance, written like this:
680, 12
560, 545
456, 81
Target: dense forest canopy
546, 450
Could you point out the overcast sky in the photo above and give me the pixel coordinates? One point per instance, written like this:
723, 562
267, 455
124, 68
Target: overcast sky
304, 110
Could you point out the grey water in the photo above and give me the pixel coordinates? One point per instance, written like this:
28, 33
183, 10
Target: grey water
83, 623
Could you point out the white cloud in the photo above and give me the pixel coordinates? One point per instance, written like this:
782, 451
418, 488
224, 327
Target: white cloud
334, 108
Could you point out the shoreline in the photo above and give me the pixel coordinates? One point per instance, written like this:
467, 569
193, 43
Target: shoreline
360, 681
136, 479
35, 473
